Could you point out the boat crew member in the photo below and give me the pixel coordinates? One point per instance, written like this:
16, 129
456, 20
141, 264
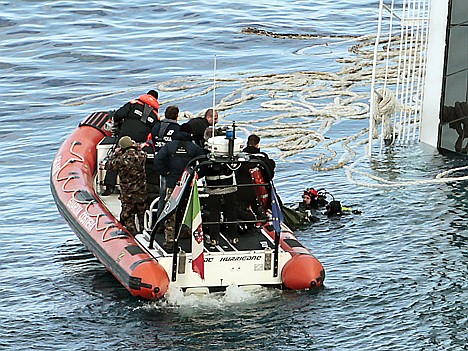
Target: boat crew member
134, 119
200, 124
253, 148
165, 129
248, 195
162, 133
170, 162
222, 189
128, 161
137, 117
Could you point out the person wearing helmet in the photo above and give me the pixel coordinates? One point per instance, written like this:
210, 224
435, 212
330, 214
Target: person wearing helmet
312, 200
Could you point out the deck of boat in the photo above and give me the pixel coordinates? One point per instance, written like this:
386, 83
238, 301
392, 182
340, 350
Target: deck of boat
251, 238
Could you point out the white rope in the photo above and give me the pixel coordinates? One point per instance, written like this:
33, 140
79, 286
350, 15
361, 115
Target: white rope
294, 112
411, 68
385, 105
384, 183
386, 133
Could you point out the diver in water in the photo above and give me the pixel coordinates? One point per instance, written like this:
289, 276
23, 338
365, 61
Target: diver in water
313, 200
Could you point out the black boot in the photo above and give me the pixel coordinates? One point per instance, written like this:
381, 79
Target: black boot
108, 191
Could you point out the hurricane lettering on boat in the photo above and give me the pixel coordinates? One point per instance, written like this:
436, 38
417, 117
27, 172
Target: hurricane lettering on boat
74, 207
240, 258
56, 165
86, 220
207, 259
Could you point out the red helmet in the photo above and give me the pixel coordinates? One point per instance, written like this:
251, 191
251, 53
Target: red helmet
313, 192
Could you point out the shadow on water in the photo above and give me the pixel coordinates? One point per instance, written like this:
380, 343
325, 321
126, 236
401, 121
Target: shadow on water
83, 273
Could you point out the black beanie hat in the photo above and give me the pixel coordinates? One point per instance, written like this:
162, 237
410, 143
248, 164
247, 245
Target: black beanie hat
153, 93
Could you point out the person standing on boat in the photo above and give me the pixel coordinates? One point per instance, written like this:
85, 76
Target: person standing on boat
162, 133
164, 130
170, 162
200, 124
135, 119
128, 162
248, 194
221, 188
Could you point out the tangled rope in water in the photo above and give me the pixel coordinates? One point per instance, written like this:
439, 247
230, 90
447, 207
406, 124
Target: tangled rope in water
296, 112
291, 112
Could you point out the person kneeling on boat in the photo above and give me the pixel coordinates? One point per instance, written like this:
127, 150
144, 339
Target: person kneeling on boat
128, 161
170, 162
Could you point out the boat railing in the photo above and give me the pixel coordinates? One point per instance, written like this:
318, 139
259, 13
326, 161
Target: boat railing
150, 214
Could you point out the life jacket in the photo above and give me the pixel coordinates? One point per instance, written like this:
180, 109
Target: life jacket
150, 100
167, 131
261, 190
150, 104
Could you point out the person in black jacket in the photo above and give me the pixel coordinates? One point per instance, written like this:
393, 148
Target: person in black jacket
248, 202
200, 124
137, 117
164, 130
253, 148
135, 120
170, 162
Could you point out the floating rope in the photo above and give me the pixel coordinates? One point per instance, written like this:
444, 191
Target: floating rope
295, 112
385, 105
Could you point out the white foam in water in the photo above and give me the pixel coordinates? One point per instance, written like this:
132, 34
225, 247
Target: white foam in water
234, 295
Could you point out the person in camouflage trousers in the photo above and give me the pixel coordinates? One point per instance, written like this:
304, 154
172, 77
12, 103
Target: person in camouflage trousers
128, 161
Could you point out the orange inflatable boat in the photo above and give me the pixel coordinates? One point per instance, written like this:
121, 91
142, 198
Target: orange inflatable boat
267, 254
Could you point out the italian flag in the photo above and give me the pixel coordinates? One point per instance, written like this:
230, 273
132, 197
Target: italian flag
193, 220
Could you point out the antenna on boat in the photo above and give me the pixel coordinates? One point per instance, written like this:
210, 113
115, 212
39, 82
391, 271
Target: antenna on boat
214, 97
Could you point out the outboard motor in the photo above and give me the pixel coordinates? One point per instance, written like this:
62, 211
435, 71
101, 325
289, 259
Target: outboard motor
226, 145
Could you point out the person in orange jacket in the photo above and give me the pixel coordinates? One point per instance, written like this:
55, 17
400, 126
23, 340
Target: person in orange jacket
134, 119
